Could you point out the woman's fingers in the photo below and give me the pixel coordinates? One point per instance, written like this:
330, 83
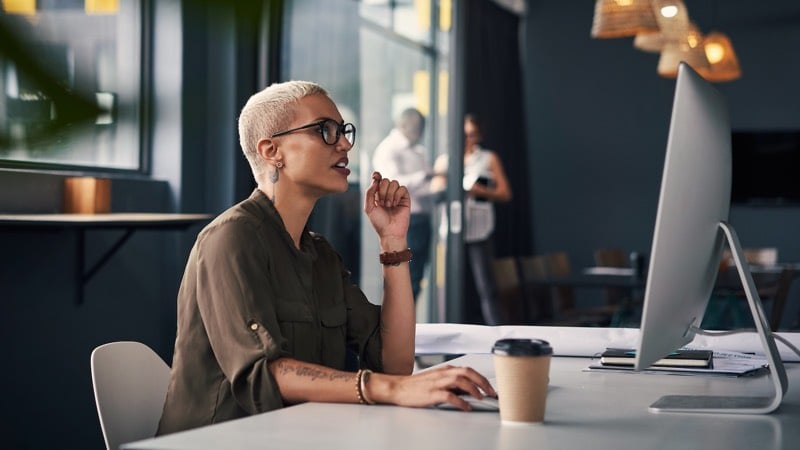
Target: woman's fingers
466, 378
370, 200
387, 193
457, 401
387, 190
446, 384
471, 382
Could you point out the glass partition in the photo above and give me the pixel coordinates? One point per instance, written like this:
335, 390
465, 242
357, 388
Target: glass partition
376, 58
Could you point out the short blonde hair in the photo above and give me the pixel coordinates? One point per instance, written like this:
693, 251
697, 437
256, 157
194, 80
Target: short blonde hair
270, 111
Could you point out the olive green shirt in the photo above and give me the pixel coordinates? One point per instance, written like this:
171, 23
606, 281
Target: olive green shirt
248, 297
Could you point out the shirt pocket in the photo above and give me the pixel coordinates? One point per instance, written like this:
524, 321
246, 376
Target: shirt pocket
293, 312
296, 323
334, 335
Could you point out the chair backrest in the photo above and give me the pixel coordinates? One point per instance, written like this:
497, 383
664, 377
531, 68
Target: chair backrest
509, 288
533, 267
613, 257
505, 273
785, 281
558, 265
538, 299
766, 256
130, 384
758, 256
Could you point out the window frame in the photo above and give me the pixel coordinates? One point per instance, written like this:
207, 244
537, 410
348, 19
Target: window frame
141, 129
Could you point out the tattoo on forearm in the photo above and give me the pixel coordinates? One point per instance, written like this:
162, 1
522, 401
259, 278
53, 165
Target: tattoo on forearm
313, 372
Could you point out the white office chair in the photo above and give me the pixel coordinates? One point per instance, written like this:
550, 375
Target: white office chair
130, 384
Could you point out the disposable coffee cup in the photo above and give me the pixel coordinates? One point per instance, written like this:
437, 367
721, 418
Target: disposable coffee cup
522, 372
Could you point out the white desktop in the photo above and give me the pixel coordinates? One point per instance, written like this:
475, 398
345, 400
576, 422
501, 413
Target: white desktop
689, 237
584, 410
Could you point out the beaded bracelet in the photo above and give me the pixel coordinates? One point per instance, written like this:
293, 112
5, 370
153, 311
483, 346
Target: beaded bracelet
365, 374
362, 376
360, 394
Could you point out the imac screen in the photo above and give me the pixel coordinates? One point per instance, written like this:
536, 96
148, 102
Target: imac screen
694, 198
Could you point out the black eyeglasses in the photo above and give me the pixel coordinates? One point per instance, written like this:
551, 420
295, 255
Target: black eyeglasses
329, 129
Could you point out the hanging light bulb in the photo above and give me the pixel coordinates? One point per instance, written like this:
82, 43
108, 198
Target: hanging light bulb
672, 18
723, 65
622, 18
668, 11
714, 52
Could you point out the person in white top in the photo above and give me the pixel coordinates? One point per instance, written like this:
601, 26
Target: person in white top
400, 156
484, 183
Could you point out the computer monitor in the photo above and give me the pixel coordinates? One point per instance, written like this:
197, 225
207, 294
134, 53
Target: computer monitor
690, 234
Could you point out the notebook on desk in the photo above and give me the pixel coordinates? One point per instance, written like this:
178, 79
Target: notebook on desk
678, 358
726, 363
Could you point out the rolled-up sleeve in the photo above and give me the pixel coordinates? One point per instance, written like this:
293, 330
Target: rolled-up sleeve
237, 306
249, 296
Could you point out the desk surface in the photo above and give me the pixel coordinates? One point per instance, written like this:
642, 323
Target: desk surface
139, 220
584, 410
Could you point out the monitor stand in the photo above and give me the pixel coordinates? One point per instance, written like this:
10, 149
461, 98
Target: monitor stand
777, 373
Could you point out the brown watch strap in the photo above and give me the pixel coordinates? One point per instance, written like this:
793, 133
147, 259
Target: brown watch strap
395, 258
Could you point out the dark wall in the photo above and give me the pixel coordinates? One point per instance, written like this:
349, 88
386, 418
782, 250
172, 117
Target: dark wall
49, 336
196, 167
597, 124
598, 116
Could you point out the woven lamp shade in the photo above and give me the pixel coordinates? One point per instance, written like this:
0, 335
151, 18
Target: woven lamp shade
723, 65
655, 42
682, 40
672, 18
689, 49
649, 42
622, 18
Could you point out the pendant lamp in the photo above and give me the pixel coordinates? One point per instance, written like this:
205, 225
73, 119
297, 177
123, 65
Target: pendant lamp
688, 49
649, 42
672, 18
622, 18
682, 40
654, 42
723, 65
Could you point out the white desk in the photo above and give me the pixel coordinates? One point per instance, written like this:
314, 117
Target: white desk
584, 410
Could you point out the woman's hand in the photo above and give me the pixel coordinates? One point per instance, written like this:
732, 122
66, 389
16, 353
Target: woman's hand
480, 190
439, 385
388, 206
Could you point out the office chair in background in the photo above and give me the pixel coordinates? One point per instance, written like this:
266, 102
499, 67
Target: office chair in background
509, 291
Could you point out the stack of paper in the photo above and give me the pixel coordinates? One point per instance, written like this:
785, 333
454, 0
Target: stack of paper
725, 364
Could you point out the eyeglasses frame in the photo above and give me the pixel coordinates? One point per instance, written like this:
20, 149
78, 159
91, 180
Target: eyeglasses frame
321, 124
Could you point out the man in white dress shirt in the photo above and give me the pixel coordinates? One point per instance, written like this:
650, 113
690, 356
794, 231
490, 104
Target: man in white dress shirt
400, 156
